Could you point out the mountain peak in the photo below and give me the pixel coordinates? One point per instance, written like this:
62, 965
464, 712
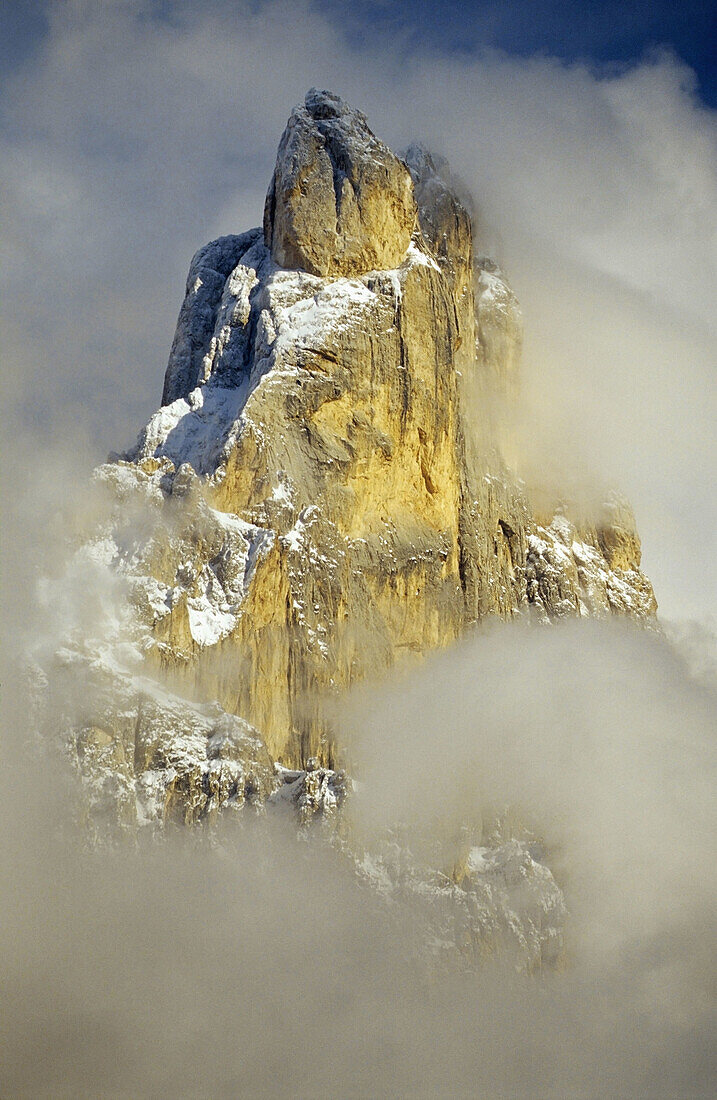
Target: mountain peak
319, 498
324, 104
340, 202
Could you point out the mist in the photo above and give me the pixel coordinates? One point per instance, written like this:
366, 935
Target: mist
253, 963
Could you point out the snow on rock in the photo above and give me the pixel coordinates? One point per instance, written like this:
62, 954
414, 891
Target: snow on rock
196, 430
224, 582
504, 901
519, 899
416, 256
568, 575
315, 793
183, 762
266, 319
333, 306
206, 280
505, 898
144, 756
213, 554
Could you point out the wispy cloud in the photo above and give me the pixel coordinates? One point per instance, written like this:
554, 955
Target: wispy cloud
259, 966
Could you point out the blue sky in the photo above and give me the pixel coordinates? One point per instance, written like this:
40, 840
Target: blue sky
605, 32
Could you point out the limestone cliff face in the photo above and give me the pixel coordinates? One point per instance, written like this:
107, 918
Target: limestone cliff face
320, 501
340, 202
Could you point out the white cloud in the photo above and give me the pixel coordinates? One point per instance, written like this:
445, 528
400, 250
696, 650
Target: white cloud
258, 966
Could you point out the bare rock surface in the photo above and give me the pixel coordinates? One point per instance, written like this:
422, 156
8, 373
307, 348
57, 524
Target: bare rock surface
340, 202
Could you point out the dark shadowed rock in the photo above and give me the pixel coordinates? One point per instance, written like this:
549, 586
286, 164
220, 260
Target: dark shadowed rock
208, 273
443, 219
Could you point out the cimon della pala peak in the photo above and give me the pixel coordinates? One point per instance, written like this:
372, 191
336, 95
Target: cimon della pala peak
314, 502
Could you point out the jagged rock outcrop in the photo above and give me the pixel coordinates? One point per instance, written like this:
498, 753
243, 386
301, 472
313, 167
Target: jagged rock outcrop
506, 901
321, 494
315, 794
147, 758
208, 274
499, 897
340, 202
326, 493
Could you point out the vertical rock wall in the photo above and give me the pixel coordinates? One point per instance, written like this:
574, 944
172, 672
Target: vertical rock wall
328, 497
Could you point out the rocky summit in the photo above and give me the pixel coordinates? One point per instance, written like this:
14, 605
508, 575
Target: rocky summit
321, 496
340, 202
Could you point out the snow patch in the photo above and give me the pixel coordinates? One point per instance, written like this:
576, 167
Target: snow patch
414, 255
195, 430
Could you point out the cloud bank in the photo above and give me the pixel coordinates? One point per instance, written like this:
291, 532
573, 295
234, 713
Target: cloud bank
258, 965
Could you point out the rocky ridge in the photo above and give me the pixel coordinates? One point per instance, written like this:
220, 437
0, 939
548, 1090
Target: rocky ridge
315, 501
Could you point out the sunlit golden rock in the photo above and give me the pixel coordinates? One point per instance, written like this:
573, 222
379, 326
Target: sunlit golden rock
324, 485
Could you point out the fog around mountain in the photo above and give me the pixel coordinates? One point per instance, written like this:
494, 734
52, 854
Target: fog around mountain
257, 966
